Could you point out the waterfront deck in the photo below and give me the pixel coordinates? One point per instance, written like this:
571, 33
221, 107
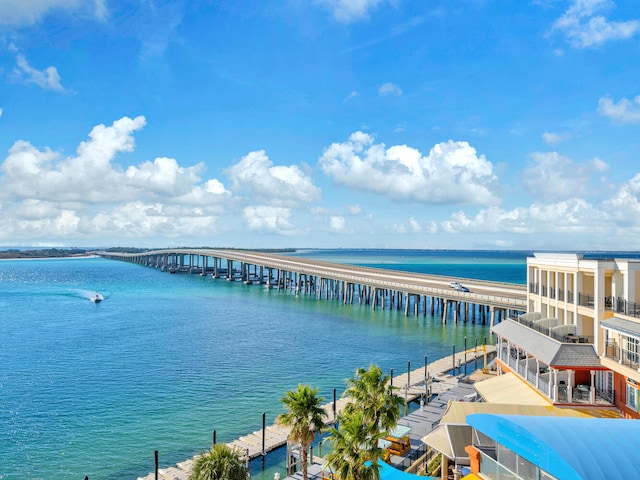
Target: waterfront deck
441, 382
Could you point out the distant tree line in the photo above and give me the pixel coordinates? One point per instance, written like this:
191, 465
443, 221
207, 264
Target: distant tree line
77, 252
44, 253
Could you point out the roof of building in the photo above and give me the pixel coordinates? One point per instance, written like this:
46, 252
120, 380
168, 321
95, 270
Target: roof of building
508, 388
449, 441
546, 349
457, 411
627, 327
568, 447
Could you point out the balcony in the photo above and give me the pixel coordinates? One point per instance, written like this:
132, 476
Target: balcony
549, 332
615, 304
620, 305
586, 300
626, 357
542, 379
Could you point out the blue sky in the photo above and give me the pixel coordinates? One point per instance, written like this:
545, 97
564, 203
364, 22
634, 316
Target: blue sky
474, 124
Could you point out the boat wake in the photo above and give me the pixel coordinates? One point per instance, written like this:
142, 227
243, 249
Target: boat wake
97, 298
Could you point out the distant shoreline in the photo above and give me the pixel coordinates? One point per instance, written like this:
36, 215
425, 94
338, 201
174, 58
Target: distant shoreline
60, 257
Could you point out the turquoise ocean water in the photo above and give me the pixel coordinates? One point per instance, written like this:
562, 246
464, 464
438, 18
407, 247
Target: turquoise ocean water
94, 389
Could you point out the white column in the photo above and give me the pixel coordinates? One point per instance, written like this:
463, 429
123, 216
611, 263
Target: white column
570, 384
629, 284
598, 309
620, 340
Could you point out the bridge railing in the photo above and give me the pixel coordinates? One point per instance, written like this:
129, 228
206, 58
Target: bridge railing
407, 282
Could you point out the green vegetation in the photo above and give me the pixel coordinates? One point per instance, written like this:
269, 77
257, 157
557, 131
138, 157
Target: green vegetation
44, 253
305, 416
434, 465
373, 411
80, 252
371, 392
354, 444
220, 463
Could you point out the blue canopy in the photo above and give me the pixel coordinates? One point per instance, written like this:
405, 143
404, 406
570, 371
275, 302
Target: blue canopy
568, 447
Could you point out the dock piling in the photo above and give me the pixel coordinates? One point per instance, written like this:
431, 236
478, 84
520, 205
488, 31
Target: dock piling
264, 435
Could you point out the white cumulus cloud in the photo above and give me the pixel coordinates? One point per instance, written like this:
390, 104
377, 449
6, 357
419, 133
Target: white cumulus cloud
584, 28
551, 176
625, 204
452, 172
275, 185
45, 195
164, 176
267, 219
337, 223
625, 111
572, 216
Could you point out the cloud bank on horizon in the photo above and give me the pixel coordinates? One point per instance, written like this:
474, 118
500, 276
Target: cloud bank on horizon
325, 123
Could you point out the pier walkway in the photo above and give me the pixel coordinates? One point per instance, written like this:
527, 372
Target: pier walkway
437, 379
377, 287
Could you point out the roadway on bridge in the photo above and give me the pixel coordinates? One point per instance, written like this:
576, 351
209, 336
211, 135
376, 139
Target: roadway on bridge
506, 295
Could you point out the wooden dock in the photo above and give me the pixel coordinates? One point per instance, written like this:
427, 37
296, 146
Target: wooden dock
411, 385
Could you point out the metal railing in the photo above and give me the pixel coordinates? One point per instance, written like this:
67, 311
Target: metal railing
616, 304
564, 338
620, 305
625, 357
586, 300
411, 457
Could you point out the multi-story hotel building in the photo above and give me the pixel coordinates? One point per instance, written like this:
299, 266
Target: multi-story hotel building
578, 343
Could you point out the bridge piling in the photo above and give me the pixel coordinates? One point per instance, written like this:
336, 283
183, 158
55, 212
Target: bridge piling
487, 301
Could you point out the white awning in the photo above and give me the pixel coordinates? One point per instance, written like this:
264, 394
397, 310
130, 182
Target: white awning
629, 328
508, 388
438, 439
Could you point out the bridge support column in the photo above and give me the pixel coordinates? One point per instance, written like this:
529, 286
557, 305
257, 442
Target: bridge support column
445, 305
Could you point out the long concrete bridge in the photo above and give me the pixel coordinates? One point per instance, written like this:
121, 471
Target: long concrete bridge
378, 287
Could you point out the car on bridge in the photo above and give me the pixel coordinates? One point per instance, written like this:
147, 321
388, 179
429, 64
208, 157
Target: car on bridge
462, 288
454, 284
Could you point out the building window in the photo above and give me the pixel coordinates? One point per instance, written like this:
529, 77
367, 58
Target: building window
630, 351
632, 396
632, 348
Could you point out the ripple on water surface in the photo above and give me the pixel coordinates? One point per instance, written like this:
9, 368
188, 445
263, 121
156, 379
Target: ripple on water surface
164, 360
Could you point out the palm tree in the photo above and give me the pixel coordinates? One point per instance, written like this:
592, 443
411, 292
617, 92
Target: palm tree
355, 450
220, 463
371, 391
305, 417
